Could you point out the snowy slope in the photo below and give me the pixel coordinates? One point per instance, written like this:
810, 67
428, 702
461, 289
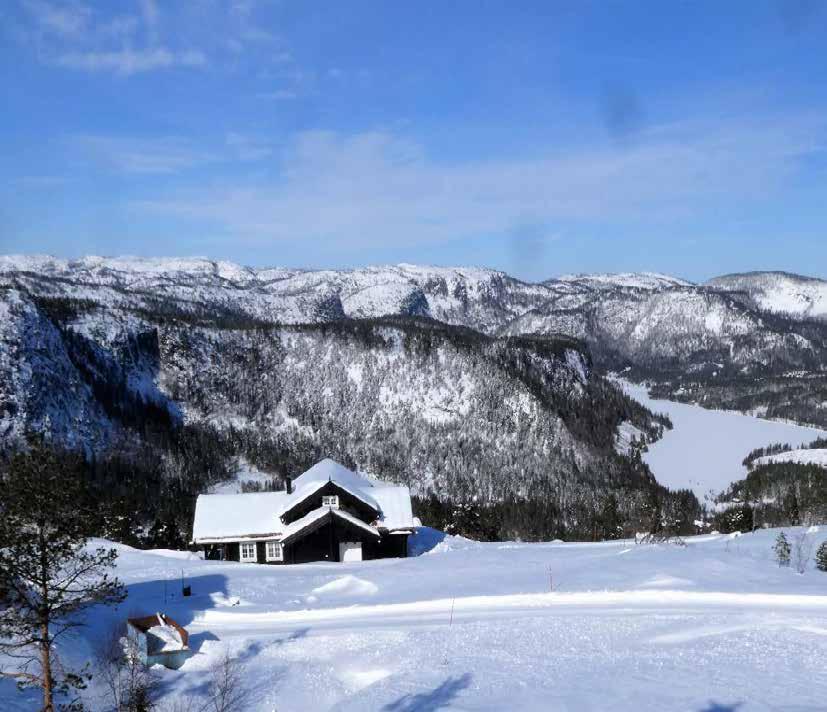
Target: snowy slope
628, 280
779, 292
705, 449
40, 387
637, 318
676, 329
800, 457
715, 625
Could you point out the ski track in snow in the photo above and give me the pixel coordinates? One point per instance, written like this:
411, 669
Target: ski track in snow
705, 449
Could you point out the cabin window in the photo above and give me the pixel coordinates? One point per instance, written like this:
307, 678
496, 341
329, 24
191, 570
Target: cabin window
247, 551
331, 501
274, 551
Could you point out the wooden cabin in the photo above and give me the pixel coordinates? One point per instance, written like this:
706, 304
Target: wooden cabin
328, 514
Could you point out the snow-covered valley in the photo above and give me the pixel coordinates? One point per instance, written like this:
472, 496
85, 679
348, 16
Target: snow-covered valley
711, 626
714, 625
705, 449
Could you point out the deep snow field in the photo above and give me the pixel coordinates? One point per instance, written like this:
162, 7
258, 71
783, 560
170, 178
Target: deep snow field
712, 626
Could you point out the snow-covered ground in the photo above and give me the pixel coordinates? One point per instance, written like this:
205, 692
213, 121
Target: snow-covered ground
801, 457
245, 472
706, 448
708, 627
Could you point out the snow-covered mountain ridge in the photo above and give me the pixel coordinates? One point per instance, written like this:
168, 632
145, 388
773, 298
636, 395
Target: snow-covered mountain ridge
484, 299
778, 292
688, 338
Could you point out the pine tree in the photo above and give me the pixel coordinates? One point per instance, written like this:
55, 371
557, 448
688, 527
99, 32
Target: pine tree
821, 557
782, 550
47, 576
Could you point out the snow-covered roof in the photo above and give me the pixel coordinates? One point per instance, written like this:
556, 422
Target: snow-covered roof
163, 634
295, 528
257, 515
230, 517
395, 505
326, 471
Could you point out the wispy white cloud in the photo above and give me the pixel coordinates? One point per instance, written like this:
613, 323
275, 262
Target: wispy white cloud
143, 156
129, 61
168, 155
145, 35
70, 34
68, 19
118, 28
370, 188
247, 148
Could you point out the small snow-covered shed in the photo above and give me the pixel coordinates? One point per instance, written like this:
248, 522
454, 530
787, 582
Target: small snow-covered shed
159, 640
329, 513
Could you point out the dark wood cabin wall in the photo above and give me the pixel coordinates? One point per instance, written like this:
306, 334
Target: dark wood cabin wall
214, 552
323, 543
390, 546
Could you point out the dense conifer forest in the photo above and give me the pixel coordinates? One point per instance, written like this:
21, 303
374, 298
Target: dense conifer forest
511, 437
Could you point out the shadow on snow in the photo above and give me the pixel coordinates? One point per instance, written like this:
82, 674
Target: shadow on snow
434, 699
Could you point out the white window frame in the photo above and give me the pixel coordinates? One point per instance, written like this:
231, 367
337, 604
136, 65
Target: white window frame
330, 500
247, 559
278, 554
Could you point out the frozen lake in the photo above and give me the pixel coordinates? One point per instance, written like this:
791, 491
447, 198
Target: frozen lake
705, 449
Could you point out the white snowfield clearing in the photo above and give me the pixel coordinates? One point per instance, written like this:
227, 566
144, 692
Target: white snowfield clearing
800, 457
713, 626
705, 449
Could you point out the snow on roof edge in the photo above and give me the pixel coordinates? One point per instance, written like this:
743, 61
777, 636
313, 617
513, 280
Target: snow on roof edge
221, 518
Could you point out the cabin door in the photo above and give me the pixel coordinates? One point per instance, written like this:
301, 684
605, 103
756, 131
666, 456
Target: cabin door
350, 551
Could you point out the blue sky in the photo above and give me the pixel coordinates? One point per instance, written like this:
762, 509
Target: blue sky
537, 137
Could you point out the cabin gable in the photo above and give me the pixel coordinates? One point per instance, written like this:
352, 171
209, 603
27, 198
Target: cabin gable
348, 502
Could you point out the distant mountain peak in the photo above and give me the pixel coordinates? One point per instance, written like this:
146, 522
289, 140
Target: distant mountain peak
777, 292
630, 280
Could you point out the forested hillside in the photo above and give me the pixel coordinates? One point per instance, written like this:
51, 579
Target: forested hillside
786, 486
483, 392
519, 430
